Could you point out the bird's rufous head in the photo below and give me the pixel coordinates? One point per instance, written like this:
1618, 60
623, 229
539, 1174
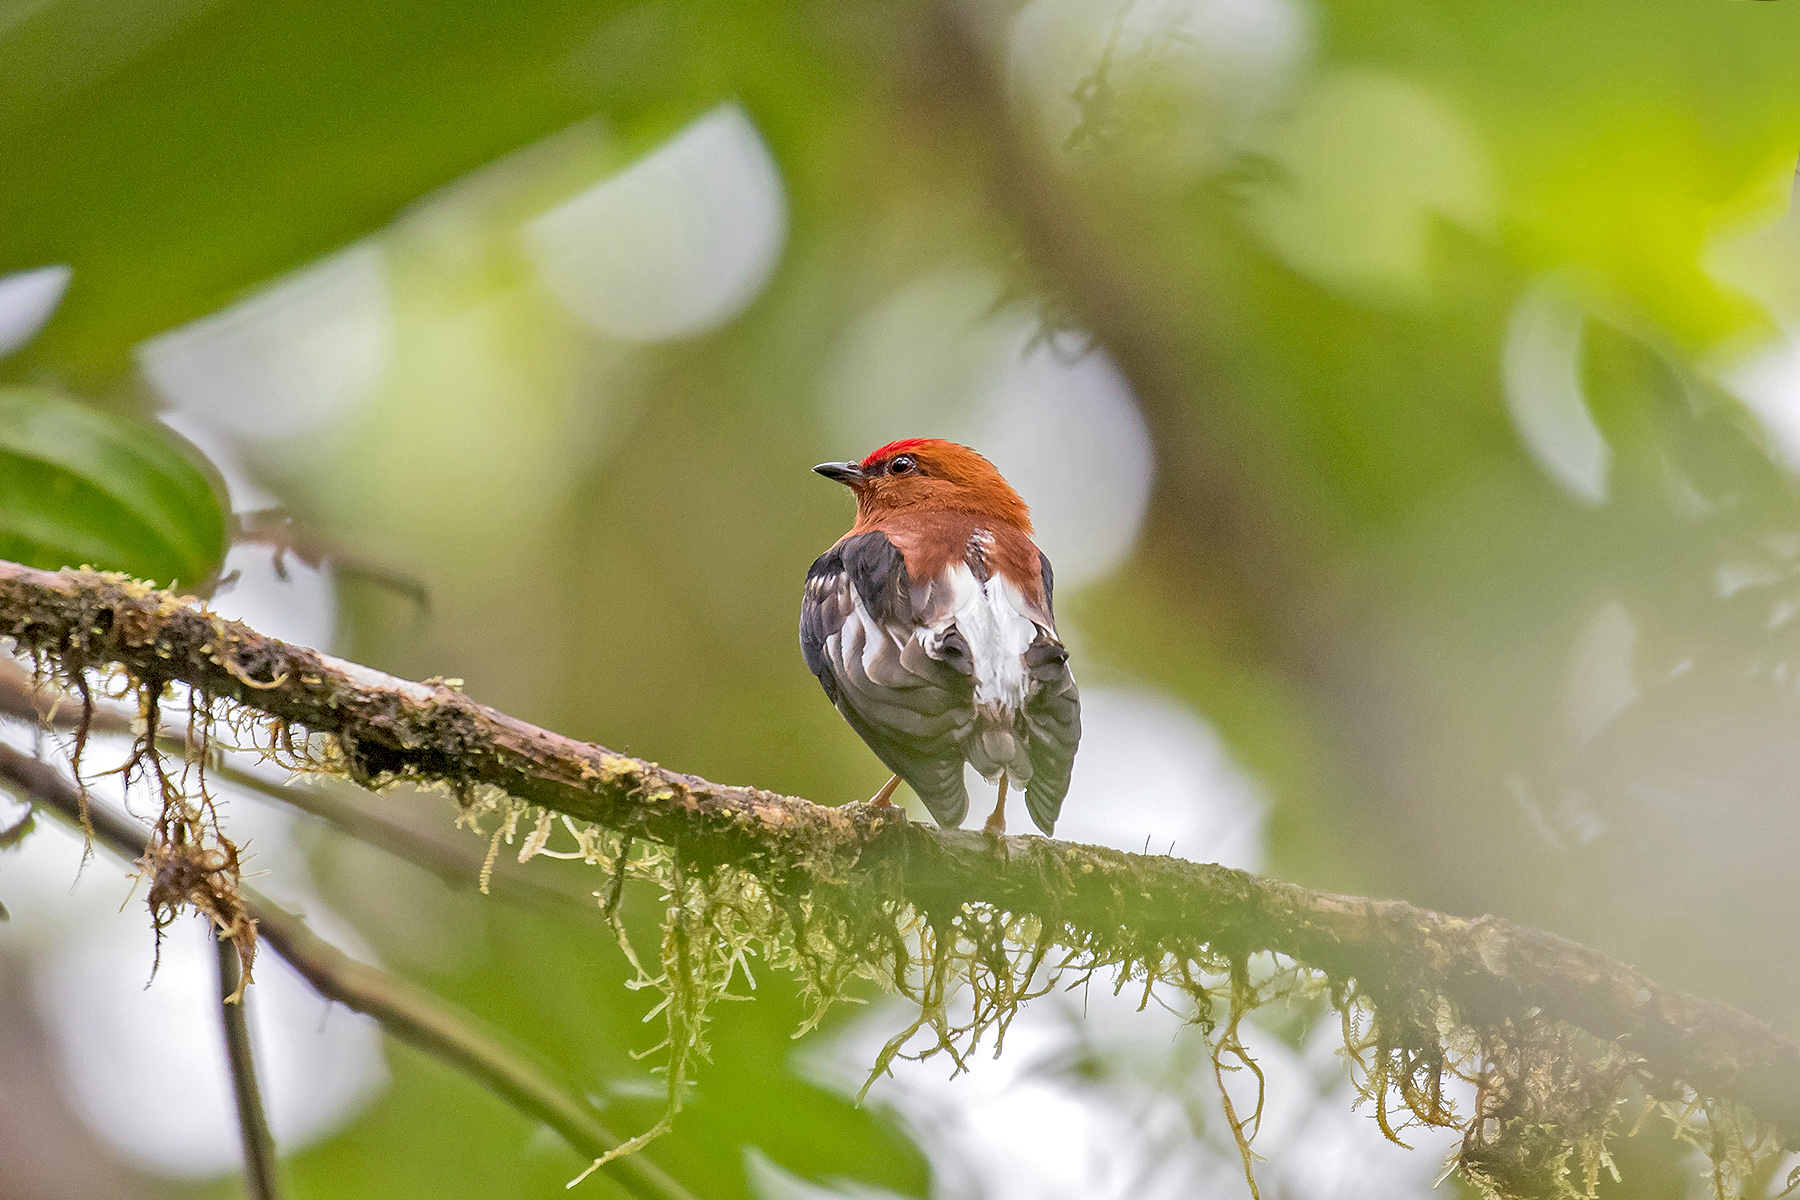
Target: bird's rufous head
925, 475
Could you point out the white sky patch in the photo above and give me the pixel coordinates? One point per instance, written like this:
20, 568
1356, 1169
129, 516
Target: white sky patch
27, 300
676, 244
1057, 418
301, 354
1540, 371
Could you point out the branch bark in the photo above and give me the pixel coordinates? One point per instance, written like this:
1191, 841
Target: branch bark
389, 728
407, 1012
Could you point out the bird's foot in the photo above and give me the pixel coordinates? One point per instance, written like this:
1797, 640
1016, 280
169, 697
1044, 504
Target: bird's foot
885, 797
995, 826
995, 833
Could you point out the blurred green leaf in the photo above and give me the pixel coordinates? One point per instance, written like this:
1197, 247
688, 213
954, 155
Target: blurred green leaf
80, 487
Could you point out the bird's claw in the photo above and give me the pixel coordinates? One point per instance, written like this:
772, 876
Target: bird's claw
995, 832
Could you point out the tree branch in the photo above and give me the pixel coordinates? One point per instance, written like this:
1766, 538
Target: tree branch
1492, 970
405, 1011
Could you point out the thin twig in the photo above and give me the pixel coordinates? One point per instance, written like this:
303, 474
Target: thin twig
389, 729
260, 1159
277, 530
407, 1012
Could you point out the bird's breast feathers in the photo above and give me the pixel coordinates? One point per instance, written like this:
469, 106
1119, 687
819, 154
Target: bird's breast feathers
995, 621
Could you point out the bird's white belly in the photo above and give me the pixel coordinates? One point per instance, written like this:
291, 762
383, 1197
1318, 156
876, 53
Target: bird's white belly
991, 617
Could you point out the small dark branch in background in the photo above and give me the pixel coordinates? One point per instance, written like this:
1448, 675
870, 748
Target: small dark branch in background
389, 729
277, 530
405, 1011
260, 1160
451, 858
22, 701
426, 1023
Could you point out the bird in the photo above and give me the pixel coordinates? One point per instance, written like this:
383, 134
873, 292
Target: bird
930, 625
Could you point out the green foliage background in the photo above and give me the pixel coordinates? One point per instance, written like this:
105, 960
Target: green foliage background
1393, 653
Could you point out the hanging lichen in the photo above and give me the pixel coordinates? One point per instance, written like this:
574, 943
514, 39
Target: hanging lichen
1547, 1099
188, 862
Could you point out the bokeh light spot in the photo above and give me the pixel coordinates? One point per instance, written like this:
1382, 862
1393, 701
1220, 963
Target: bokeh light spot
27, 299
290, 360
1540, 370
676, 244
1365, 167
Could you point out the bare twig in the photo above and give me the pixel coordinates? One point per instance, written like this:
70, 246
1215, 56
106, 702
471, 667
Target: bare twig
414, 1016
260, 1159
278, 531
389, 729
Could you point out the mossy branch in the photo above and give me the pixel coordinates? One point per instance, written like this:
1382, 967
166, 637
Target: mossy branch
1510, 989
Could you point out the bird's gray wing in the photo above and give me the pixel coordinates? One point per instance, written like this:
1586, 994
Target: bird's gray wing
1052, 717
901, 677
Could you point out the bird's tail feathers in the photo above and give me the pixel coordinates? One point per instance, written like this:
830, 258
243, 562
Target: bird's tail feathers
948, 804
1044, 801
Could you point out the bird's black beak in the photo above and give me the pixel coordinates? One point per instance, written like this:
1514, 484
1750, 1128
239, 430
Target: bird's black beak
847, 473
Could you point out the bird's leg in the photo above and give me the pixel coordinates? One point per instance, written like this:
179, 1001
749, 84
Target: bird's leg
996, 822
884, 798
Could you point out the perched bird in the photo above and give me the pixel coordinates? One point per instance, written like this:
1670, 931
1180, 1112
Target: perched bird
930, 626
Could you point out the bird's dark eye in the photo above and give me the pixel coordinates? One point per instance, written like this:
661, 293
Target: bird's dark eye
903, 464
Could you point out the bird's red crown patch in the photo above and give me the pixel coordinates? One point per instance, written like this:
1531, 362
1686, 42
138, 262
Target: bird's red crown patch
899, 447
